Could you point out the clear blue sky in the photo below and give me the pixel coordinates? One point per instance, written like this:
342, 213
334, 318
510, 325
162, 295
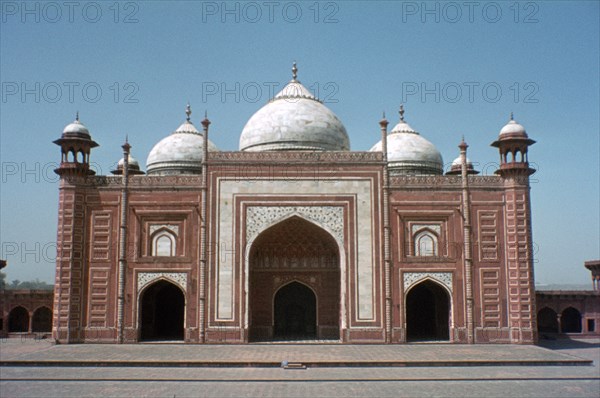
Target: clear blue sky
459, 69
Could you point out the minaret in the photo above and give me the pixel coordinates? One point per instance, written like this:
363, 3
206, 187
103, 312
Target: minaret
123, 245
386, 232
74, 170
467, 249
513, 144
203, 227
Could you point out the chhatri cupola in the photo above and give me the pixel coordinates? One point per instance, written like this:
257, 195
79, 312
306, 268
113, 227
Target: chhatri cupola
75, 145
513, 143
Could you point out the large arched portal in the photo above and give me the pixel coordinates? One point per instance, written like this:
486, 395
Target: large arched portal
427, 313
162, 312
294, 283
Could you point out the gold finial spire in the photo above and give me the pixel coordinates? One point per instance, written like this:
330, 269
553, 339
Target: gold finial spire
188, 111
294, 71
401, 112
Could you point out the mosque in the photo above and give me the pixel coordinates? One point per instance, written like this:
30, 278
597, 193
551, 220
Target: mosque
294, 237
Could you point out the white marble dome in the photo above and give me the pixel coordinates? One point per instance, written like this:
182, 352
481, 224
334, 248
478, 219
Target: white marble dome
294, 120
76, 129
458, 162
512, 128
178, 153
409, 152
133, 162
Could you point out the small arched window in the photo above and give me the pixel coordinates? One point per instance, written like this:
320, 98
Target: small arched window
163, 243
426, 243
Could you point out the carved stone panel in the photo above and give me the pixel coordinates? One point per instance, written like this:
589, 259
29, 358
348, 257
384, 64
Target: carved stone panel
412, 278
178, 278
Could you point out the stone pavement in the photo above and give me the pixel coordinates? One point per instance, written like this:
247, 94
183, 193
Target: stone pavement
525, 380
15, 352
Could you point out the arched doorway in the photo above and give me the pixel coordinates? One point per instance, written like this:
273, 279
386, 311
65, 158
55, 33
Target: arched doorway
162, 312
295, 315
570, 321
18, 320
427, 313
295, 265
41, 321
547, 321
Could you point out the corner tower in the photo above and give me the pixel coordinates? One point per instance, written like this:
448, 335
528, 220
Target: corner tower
76, 144
513, 144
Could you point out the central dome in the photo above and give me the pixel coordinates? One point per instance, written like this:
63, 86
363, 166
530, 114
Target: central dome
294, 120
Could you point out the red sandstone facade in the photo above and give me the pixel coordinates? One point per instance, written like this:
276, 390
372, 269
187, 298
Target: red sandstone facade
311, 230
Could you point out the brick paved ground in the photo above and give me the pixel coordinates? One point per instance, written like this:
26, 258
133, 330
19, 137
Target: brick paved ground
489, 381
269, 354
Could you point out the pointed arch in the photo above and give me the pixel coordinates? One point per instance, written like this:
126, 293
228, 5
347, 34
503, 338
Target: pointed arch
41, 320
570, 320
428, 308
18, 320
426, 243
295, 311
164, 243
279, 256
161, 311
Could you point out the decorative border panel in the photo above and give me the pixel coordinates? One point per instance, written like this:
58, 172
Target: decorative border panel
145, 278
412, 278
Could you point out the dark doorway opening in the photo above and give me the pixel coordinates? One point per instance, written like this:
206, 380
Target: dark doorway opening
41, 321
427, 313
547, 321
570, 321
162, 312
18, 320
295, 313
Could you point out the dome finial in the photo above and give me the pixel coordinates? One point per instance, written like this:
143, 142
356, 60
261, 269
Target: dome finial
77, 116
401, 112
294, 71
511, 116
188, 111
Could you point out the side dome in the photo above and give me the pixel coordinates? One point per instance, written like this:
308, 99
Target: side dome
180, 152
294, 120
133, 166
456, 167
409, 152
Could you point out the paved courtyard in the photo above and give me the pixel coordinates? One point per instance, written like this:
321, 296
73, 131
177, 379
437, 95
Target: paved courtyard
417, 374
